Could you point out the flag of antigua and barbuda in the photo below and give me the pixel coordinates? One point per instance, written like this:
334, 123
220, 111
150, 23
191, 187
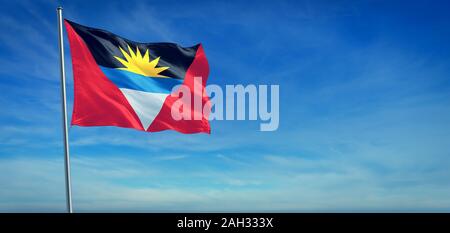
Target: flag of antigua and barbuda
119, 82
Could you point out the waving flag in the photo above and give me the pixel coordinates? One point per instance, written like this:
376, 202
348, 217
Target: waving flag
119, 82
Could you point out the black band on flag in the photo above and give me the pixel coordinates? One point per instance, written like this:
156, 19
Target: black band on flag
104, 45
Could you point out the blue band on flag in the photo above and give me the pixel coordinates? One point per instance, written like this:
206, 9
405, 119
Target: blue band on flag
126, 79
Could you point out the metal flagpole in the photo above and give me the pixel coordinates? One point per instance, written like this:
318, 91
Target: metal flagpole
64, 112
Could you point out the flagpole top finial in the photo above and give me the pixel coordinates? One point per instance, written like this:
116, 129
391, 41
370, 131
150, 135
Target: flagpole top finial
59, 8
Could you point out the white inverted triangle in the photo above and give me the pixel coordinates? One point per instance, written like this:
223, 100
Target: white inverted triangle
146, 105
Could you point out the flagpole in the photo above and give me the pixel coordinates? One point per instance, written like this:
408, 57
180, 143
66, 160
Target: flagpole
64, 112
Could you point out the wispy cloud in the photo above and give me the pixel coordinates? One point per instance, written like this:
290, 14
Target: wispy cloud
100, 184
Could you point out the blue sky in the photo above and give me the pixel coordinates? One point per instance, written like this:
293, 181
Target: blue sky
364, 101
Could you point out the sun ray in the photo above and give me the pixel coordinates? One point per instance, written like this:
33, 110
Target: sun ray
125, 63
161, 69
154, 62
133, 55
125, 54
138, 53
146, 56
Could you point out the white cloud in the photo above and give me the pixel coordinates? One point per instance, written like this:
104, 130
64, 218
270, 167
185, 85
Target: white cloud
280, 183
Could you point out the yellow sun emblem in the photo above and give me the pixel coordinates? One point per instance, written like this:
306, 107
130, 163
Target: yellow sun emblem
139, 64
